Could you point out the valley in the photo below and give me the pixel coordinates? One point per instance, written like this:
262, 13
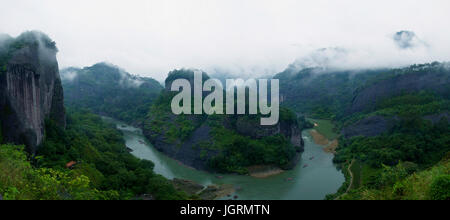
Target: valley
319, 178
342, 134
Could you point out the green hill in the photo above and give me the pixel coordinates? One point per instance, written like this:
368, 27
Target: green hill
108, 90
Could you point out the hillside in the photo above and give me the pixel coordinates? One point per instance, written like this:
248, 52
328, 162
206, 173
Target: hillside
336, 95
108, 90
224, 143
43, 155
403, 182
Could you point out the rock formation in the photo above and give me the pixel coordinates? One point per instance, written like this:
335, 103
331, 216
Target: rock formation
30, 89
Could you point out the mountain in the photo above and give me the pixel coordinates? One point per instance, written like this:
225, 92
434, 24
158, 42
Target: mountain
83, 159
224, 143
30, 88
390, 120
108, 90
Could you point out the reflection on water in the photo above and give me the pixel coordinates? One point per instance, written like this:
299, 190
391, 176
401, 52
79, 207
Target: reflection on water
314, 177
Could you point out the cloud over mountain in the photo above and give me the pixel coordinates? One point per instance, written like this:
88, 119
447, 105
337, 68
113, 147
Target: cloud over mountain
407, 40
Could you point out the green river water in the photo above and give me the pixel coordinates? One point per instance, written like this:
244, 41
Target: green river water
313, 182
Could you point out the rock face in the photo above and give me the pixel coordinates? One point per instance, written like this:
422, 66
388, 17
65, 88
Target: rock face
197, 148
187, 152
253, 129
434, 77
30, 90
377, 125
369, 127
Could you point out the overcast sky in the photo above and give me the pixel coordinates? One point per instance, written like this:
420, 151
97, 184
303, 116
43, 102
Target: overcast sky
243, 37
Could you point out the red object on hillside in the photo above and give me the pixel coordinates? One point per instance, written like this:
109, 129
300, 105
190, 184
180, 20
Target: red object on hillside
71, 164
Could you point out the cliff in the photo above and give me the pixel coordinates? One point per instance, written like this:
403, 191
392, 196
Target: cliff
224, 143
380, 105
30, 89
433, 77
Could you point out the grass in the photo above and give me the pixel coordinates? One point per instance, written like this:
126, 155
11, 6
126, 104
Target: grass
326, 128
418, 186
356, 170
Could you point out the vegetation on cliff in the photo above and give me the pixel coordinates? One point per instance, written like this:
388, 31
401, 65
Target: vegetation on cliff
108, 90
394, 123
20, 180
403, 182
101, 155
231, 143
396, 164
328, 94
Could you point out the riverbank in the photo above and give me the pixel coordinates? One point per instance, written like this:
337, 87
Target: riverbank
314, 176
210, 192
324, 134
264, 171
330, 146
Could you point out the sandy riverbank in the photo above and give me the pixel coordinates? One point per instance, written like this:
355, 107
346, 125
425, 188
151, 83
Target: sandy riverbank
330, 146
263, 171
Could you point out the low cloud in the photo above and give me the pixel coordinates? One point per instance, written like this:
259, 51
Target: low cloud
68, 75
407, 40
243, 38
321, 59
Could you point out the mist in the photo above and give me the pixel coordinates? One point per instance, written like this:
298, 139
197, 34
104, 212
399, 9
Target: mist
250, 38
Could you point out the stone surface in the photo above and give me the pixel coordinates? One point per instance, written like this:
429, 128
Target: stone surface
30, 92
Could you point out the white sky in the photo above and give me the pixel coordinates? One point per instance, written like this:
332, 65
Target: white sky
242, 37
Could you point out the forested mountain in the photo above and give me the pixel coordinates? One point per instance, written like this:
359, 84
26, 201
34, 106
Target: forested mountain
108, 90
388, 119
325, 93
393, 128
225, 143
84, 158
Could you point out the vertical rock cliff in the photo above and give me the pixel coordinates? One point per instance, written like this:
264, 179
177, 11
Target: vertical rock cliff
30, 88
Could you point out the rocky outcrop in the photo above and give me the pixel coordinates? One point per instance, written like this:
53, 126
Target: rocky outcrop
434, 77
254, 129
30, 90
377, 125
195, 145
187, 152
369, 127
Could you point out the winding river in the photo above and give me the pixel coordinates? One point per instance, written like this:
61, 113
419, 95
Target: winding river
314, 177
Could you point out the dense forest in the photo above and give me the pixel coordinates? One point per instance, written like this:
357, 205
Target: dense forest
100, 165
228, 143
108, 90
394, 126
389, 161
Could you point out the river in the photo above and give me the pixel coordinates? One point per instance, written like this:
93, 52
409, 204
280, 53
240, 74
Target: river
313, 182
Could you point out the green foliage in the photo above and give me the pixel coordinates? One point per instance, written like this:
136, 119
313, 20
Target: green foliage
1, 134
405, 182
239, 152
425, 145
108, 90
322, 95
414, 140
303, 123
326, 128
440, 188
328, 95
20, 180
233, 151
101, 155
405, 105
